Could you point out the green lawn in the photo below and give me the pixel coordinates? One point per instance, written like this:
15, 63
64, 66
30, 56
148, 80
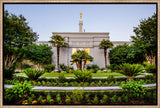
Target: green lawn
72, 75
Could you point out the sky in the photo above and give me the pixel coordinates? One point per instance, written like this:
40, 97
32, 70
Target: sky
117, 19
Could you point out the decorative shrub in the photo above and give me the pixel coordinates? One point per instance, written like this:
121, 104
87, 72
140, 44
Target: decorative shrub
33, 74
17, 91
49, 67
61, 77
95, 100
48, 98
93, 66
100, 71
110, 78
109, 71
83, 75
131, 69
133, 89
8, 73
150, 68
77, 96
113, 67
66, 68
63, 72
39, 99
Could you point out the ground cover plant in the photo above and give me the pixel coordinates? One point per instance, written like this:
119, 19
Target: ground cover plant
81, 97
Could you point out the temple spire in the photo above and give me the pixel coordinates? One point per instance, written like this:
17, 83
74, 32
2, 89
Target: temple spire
80, 23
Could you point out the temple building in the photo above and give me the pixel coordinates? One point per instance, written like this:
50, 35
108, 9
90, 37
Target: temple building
88, 41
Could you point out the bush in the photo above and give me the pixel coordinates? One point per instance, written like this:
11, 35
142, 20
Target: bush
110, 78
8, 73
20, 90
33, 74
131, 69
100, 71
83, 75
66, 68
113, 67
109, 71
93, 66
150, 68
63, 72
61, 77
49, 67
133, 89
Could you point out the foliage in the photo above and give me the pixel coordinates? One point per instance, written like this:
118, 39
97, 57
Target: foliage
113, 99
131, 69
48, 98
8, 73
66, 68
95, 100
105, 44
150, 68
80, 58
17, 34
146, 36
110, 78
100, 71
20, 90
33, 74
49, 67
39, 54
68, 100
58, 41
77, 95
58, 98
126, 54
94, 67
133, 89
83, 75
61, 77
113, 67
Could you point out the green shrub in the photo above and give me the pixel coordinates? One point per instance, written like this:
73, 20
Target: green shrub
39, 99
83, 75
131, 69
113, 99
150, 68
119, 99
8, 73
63, 72
113, 67
126, 99
17, 91
95, 100
48, 98
92, 70
58, 98
33, 74
49, 67
87, 98
105, 98
68, 100
61, 78
133, 89
109, 71
100, 71
92, 84
66, 68
77, 95
110, 78
94, 67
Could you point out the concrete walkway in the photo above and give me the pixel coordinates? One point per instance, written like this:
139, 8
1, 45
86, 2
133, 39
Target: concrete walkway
85, 88
92, 77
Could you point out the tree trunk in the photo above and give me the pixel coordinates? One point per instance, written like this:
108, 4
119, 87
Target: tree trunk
84, 64
105, 58
58, 58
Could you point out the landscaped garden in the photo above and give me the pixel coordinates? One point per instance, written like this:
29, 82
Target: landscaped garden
129, 79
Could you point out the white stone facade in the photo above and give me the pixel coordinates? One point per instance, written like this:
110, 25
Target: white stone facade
82, 40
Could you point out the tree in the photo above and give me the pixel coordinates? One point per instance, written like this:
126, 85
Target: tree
127, 54
39, 54
17, 34
146, 34
80, 58
105, 44
58, 41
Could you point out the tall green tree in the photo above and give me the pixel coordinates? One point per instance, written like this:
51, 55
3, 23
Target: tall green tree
146, 36
58, 41
80, 58
39, 54
105, 44
127, 54
17, 34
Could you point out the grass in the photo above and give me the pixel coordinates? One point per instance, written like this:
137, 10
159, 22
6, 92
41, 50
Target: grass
72, 75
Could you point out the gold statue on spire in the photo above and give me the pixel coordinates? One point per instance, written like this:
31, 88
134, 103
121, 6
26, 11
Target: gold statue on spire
80, 15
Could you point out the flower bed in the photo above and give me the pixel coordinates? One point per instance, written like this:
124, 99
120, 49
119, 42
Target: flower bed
86, 98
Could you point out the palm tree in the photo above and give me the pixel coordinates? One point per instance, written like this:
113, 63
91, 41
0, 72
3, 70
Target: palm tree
58, 41
105, 44
80, 58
